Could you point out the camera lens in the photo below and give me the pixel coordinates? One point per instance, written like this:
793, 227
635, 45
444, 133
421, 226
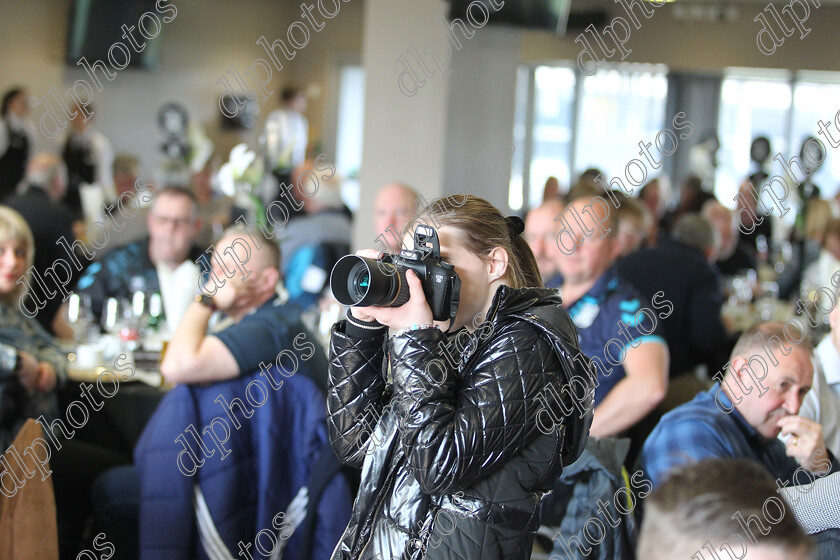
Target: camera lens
359, 282
362, 282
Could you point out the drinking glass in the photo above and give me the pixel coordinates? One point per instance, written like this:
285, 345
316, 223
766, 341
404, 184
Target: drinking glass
113, 314
79, 316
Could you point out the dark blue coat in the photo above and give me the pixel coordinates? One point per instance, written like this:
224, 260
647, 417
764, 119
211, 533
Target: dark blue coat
267, 459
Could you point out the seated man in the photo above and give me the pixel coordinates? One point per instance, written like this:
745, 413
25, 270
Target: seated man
694, 329
49, 219
221, 370
822, 403
618, 329
243, 286
216, 209
734, 255
230, 378
164, 263
711, 509
541, 234
741, 416
712, 426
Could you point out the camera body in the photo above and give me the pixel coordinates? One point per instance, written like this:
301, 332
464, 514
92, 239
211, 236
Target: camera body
363, 282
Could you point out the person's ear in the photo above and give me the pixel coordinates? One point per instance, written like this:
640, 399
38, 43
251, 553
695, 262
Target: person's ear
268, 279
498, 263
197, 228
740, 370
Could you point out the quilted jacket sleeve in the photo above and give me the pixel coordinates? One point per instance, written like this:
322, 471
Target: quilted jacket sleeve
457, 431
356, 387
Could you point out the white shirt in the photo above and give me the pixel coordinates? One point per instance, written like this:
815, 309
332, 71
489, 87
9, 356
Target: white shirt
822, 403
103, 161
820, 272
177, 289
286, 137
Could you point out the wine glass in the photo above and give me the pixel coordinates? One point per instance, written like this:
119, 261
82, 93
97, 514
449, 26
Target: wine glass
79, 316
766, 303
114, 314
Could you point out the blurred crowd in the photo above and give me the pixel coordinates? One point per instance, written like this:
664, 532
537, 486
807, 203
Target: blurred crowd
673, 296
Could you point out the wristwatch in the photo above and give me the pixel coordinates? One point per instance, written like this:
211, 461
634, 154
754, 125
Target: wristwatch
206, 301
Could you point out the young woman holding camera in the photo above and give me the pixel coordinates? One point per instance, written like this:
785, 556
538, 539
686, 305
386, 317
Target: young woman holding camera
457, 463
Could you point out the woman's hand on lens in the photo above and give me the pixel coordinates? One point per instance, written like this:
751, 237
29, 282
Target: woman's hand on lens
415, 311
365, 313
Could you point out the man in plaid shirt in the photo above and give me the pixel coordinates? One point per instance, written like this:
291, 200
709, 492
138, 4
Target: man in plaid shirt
743, 415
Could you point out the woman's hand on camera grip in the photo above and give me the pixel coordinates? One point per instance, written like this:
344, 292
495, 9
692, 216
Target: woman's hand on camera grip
415, 311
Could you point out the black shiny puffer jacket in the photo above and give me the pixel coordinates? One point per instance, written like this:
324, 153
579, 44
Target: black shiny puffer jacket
453, 462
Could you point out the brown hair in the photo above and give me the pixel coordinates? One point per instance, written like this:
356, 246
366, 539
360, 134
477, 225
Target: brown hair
272, 250
632, 210
703, 503
175, 190
483, 228
584, 188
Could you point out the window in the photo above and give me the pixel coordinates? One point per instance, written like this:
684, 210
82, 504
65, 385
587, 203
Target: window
749, 107
815, 101
349, 131
543, 131
619, 108
554, 97
786, 109
567, 122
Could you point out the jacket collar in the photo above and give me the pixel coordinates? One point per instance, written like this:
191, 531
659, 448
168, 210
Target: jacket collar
508, 301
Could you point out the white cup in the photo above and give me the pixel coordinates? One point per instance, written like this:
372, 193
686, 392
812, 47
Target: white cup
89, 356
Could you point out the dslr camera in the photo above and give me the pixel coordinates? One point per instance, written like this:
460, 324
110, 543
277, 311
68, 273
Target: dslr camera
362, 282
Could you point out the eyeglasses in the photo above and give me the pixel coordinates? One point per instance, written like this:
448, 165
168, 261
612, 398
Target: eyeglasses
179, 223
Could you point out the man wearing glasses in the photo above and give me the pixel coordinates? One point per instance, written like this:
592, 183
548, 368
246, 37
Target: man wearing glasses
164, 262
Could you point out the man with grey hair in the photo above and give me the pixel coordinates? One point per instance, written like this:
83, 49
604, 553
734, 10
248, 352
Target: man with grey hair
49, 219
695, 231
733, 256
126, 180
757, 399
694, 330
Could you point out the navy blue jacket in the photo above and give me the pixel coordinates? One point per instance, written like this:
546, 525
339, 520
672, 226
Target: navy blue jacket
271, 456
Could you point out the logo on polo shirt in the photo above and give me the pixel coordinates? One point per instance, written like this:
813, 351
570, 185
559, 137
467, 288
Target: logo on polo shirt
585, 314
